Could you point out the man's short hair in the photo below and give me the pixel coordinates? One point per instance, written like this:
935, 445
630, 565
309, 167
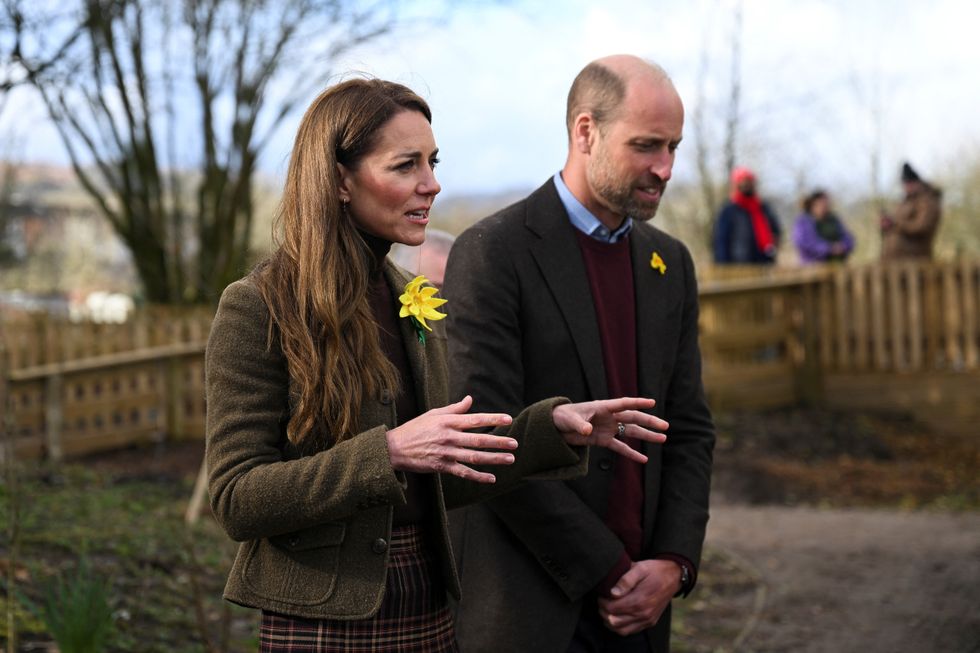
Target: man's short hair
597, 91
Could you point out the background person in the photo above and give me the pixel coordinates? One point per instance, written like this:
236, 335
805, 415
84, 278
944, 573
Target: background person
818, 234
427, 259
910, 230
746, 230
332, 448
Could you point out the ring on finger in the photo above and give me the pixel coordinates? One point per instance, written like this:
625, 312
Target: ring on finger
620, 429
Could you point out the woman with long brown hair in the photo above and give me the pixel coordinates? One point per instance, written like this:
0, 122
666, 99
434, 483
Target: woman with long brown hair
333, 451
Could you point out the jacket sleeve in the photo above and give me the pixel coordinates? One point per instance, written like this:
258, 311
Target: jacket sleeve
568, 539
807, 241
541, 455
777, 229
722, 237
255, 491
682, 510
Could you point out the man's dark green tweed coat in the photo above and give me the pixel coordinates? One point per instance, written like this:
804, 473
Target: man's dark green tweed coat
314, 524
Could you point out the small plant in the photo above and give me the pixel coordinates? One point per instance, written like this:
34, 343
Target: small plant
75, 609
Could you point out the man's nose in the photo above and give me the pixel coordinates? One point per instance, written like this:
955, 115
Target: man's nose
662, 165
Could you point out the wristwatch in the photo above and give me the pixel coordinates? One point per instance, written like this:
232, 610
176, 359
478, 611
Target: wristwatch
685, 579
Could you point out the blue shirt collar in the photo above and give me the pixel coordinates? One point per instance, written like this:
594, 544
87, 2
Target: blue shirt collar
583, 220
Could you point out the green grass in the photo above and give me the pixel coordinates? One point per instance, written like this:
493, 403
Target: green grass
132, 535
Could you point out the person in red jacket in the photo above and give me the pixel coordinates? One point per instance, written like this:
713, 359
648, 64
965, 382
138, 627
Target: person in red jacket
747, 231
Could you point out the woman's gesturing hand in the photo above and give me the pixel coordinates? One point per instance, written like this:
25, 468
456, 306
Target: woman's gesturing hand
597, 423
437, 441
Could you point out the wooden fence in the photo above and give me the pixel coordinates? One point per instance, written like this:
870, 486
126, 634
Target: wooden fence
76, 388
903, 335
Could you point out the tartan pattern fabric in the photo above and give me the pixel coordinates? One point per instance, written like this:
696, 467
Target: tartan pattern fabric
414, 615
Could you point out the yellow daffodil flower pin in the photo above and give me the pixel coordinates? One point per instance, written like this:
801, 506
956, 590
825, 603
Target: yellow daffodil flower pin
658, 264
419, 304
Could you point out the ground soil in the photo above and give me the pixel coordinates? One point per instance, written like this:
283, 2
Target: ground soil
861, 531
829, 532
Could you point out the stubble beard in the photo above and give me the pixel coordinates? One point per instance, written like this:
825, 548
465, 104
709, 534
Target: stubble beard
617, 193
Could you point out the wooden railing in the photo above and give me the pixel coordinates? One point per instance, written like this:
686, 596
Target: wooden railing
902, 333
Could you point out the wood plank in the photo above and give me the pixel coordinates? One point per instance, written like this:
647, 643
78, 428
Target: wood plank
881, 360
825, 309
842, 334
859, 309
970, 302
913, 278
951, 319
746, 337
898, 304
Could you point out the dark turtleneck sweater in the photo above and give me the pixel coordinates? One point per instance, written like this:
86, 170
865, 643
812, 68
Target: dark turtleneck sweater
385, 310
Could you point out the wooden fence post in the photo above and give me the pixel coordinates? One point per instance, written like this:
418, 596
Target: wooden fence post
809, 374
53, 416
174, 385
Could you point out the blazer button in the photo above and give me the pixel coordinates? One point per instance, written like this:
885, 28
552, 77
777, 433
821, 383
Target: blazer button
386, 397
379, 546
293, 542
605, 465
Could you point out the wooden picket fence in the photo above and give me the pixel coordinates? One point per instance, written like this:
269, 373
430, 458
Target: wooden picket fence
76, 388
903, 336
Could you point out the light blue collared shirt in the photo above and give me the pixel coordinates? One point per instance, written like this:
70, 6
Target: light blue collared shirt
583, 220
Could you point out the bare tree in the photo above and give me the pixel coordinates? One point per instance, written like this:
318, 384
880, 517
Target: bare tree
140, 91
710, 179
735, 93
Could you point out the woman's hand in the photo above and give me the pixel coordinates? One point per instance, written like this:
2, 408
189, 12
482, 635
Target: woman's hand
437, 441
597, 423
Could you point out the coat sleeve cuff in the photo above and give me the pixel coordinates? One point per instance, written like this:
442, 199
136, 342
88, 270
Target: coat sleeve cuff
622, 565
692, 571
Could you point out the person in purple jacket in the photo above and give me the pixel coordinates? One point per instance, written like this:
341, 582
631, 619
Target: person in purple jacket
818, 234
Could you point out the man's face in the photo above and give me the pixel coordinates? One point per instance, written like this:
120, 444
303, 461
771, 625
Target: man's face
633, 154
747, 186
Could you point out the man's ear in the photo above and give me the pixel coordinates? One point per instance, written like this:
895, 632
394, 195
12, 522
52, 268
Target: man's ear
343, 188
583, 132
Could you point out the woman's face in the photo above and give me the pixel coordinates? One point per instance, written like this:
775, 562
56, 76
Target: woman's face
820, 207
393, 186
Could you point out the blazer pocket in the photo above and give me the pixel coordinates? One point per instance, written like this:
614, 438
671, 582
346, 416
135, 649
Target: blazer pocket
298, 568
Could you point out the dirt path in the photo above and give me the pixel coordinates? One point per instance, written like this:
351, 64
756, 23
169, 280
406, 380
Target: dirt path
857, 580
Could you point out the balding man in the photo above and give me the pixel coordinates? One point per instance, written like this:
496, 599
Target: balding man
572, 292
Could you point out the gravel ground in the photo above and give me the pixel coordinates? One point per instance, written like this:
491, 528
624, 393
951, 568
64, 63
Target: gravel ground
855, 579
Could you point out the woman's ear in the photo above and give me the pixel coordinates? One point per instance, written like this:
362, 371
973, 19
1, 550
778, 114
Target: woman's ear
343, 188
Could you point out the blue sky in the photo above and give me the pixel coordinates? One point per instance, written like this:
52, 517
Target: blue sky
813, 73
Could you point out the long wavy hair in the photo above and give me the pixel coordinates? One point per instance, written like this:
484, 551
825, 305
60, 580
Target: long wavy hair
316, 282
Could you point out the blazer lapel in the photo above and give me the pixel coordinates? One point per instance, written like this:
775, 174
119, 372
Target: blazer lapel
558, 256
414, 349
650, 287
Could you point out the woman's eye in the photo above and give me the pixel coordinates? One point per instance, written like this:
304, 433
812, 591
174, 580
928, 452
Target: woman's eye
433, 163
407, 165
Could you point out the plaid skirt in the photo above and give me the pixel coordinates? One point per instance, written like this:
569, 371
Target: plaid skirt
414, 614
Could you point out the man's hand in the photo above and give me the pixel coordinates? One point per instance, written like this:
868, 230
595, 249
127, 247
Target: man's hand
641, 596
596, 423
